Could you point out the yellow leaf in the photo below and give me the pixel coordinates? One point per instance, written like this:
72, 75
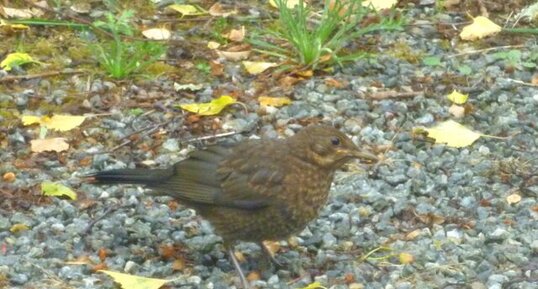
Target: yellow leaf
16, 59
60, 122
213, 45
18, 228
157, 33
289, 3
65, 122
13, 26
274, 101
315, 285
135, 282
513, 199
55, 189
254, 67
458, 97
480, 28
30, 119
209, 108
189, 10
406, 258
379, 4
57, 144
453, 134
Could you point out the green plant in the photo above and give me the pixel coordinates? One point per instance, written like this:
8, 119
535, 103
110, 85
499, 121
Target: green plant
121, 58
309, 39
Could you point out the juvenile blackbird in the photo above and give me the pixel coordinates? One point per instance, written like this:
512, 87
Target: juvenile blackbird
254, 190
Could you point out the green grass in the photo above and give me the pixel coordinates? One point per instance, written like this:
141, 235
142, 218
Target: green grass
309, 39
121, 58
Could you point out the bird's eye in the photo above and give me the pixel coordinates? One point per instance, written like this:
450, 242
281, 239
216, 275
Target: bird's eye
335, 140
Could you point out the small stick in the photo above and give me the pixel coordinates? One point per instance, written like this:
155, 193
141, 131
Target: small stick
38, 75
149, 130
207, 137
94, 221
484, 50
394, 94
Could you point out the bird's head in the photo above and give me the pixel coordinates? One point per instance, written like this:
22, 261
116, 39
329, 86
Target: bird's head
327, 147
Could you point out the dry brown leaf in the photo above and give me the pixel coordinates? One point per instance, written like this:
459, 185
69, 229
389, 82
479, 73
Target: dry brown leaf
57, 144
235, 56
217, 10
236, 35
513, 199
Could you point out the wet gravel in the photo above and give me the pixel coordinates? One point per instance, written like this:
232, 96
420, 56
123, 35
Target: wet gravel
445, 207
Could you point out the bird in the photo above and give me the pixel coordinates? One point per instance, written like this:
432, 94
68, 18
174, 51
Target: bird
254, 190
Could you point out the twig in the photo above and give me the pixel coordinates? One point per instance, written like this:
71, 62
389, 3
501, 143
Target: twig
207, 137
149, 130
485, 50
38, 75
521, 82
94, 221
394, 94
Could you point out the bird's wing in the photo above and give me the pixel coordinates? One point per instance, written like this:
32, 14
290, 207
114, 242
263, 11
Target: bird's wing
222, 176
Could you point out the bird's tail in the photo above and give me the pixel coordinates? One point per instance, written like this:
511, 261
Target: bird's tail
131, 176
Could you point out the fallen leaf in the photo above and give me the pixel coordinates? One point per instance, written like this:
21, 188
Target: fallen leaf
305, 73
217, 10
406, 258
189, 86
289, 3
274, 101
453, 134
413, 234
57, 190
334, 83
253, 276
60, 122
315, 285
458, 97
13, 26
209, 108
178, 265
128, 281
157, 33
457, 111
480, 28
213, 45
272, 246
187, 10
57, 144
379, 4
254, 67
17, 13
236, 35
513, 199
18, 228
16, 59
233, 55
9, 177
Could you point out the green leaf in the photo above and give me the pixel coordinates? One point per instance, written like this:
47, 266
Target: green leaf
432, 61
465, 69
55, 189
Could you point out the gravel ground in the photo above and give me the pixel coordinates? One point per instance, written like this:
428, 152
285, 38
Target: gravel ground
447, 208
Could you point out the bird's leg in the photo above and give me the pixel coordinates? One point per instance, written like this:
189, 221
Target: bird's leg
270, 255
244, 281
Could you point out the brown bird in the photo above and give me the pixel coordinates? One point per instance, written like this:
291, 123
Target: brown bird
254, 190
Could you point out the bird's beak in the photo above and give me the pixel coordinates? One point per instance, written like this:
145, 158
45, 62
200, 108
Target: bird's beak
365, 156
